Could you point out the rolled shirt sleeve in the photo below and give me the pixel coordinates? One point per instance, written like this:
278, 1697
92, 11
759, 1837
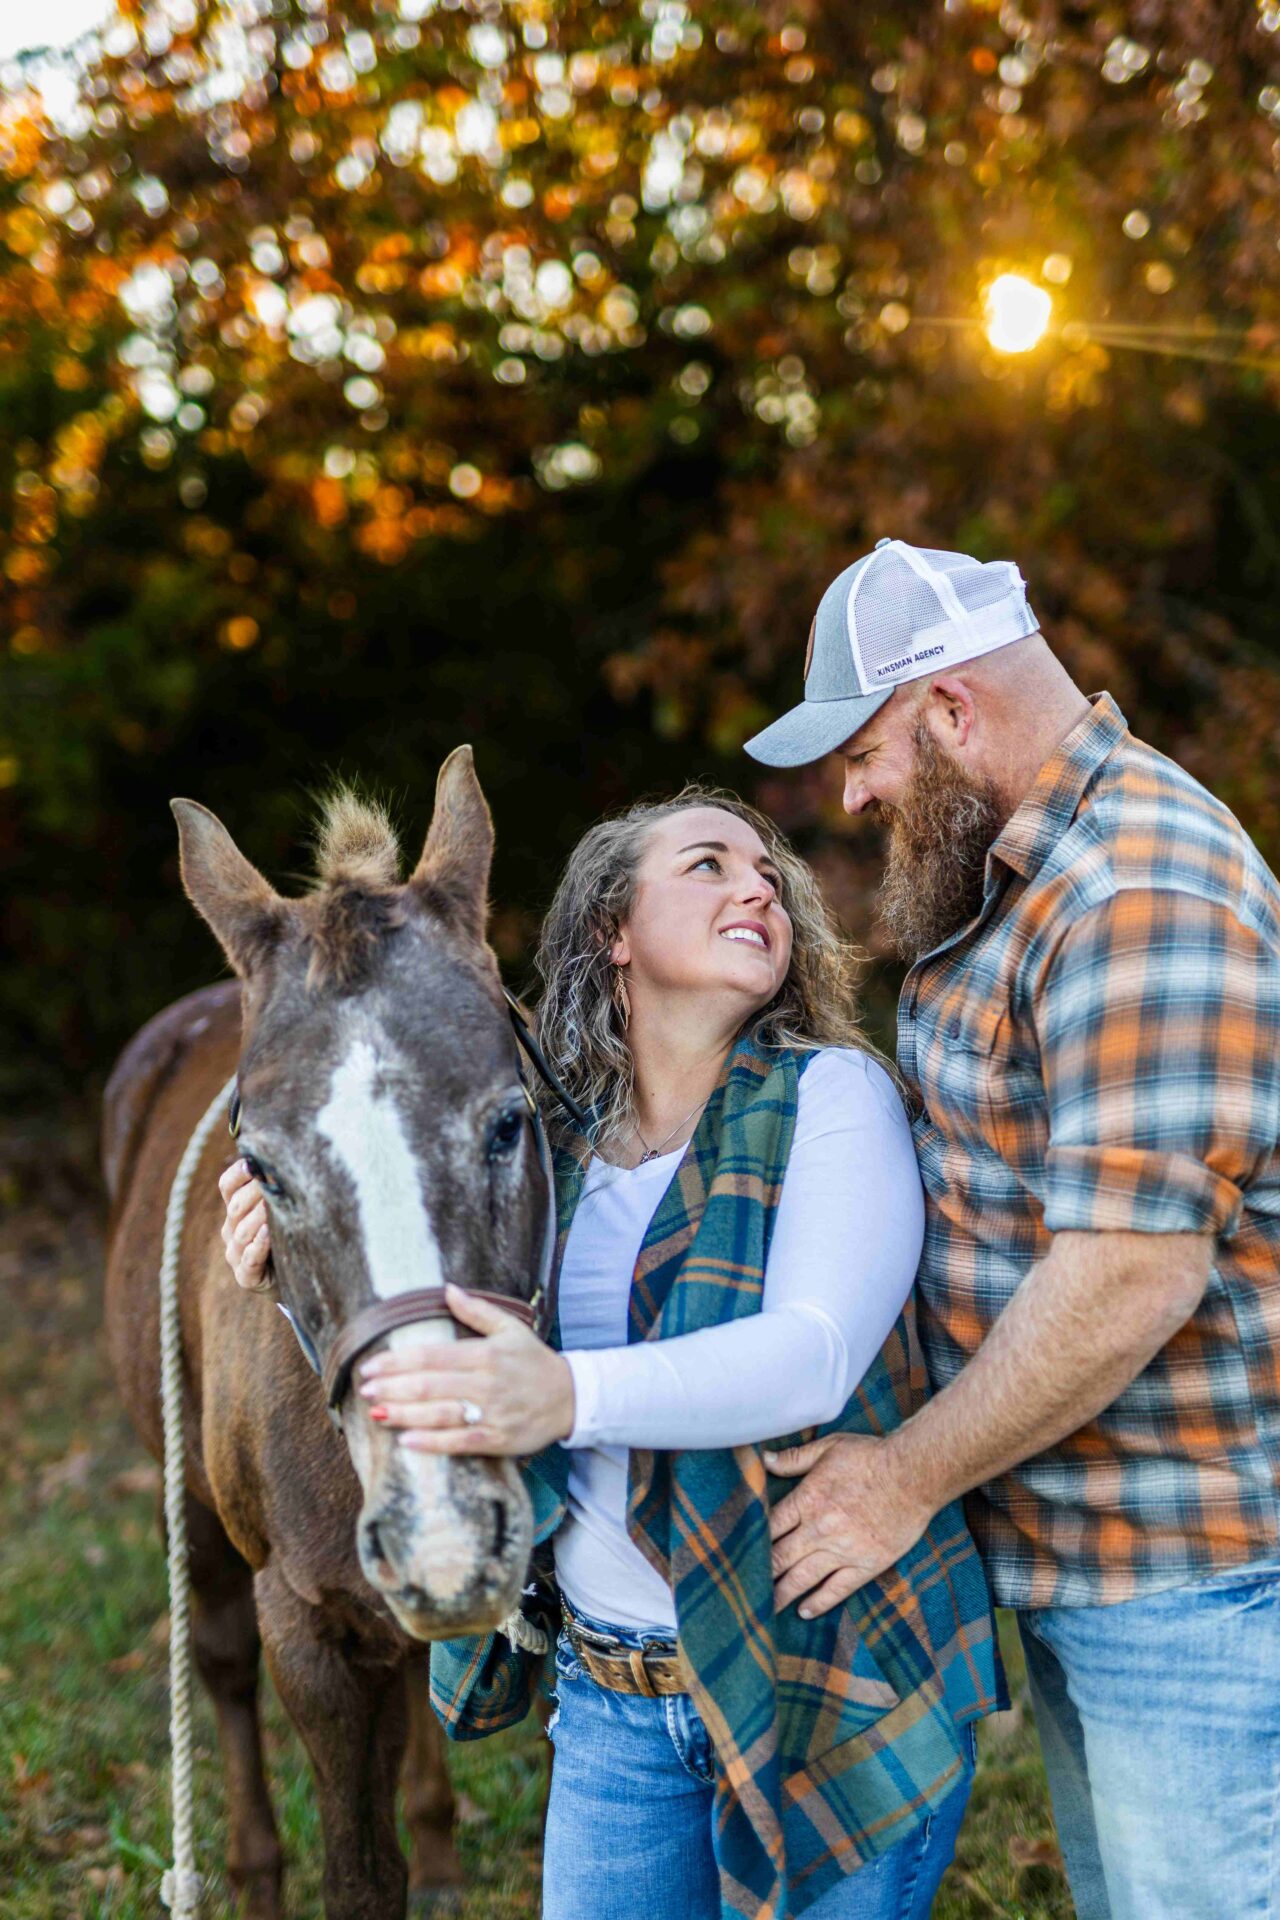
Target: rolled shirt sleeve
1158, 1021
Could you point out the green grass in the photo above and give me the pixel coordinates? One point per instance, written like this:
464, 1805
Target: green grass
83, 1695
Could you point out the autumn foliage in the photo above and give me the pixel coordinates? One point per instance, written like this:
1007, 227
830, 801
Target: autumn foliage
381, 375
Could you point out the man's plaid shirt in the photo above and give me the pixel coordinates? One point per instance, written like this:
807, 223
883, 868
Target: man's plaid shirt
1100, 1051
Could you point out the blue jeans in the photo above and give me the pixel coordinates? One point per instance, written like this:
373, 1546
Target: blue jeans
629, 1823
1160, 1724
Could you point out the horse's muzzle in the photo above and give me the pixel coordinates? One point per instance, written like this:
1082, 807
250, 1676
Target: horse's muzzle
447, 1549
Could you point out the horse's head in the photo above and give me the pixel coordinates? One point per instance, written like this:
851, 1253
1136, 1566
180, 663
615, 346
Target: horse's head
381, 1098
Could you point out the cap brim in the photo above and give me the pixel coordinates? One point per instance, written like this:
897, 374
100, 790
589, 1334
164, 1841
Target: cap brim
813, 729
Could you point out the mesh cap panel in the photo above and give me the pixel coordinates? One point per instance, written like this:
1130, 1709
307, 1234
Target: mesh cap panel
915, 610
889, 605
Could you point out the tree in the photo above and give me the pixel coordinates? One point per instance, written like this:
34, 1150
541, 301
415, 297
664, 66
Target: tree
375, 372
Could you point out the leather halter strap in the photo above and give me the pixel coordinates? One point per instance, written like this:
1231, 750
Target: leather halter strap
408, 1309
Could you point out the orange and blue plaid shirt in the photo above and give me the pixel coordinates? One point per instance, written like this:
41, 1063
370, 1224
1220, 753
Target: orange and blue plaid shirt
1099, 1050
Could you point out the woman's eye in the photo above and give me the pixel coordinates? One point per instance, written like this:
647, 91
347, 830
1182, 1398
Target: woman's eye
504, 1135
707, 860
265, 1179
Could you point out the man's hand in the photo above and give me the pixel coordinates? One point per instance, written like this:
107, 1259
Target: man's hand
853, 1515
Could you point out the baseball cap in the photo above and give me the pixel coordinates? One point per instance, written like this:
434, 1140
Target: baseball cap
897, 614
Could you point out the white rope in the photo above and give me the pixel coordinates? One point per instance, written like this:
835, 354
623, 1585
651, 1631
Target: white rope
523, 1634
181, 1888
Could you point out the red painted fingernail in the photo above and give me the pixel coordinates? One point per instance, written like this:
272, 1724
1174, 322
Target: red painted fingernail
377, 1413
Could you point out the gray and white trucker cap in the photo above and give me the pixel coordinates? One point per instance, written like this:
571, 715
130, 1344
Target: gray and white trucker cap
897, 614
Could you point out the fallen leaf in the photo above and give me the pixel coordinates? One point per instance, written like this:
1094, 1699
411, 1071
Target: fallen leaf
159, 1634
102, 1878
128, 1662
144, 1478
1025, 1852
128, 1773
27, 1782
68, 1475
469, 1812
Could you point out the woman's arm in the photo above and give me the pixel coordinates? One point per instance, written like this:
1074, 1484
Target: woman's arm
845, 1248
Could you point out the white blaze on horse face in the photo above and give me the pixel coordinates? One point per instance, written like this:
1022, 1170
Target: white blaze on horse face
362, 1125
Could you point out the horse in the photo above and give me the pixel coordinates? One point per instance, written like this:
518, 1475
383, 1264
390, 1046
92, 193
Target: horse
382, 1104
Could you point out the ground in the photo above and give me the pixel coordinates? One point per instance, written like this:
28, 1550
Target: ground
83, 1694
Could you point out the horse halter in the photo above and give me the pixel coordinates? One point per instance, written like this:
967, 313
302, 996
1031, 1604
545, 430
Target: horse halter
373, 1323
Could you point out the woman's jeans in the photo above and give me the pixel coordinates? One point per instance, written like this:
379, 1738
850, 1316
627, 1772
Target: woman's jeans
629, 1825
1160, 1724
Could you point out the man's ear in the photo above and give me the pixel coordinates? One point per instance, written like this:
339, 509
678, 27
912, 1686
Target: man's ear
949, 712
245, 912
453, 872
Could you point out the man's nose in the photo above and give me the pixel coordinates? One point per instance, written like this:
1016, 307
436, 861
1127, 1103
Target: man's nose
857, 796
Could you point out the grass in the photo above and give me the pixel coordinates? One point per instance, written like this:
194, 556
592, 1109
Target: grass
83, 1695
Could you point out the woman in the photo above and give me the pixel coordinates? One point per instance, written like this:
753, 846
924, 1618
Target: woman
739, 1237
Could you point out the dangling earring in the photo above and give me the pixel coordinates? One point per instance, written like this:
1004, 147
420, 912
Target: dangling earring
621, 998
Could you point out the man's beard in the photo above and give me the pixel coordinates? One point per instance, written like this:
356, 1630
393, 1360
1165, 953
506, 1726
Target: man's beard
938, 842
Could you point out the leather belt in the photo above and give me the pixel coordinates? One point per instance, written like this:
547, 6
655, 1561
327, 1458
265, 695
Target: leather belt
653, 1671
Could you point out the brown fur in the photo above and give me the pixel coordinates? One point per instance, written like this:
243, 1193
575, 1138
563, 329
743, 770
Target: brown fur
280, 1555
272, 1502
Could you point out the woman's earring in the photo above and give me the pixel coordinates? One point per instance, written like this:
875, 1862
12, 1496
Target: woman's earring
621, 998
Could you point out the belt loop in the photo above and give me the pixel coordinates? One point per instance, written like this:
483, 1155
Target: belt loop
640, 1673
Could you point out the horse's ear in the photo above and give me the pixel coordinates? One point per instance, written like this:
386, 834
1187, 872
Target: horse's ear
246, 913
457, 856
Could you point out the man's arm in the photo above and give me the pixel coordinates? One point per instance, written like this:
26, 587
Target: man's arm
1084, 1323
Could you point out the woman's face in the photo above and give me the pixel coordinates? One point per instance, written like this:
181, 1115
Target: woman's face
707, 916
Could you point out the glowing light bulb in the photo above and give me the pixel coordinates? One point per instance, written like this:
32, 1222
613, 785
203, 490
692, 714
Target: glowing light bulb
1017, 313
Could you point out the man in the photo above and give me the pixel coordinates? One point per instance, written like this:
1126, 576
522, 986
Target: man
1091, 1029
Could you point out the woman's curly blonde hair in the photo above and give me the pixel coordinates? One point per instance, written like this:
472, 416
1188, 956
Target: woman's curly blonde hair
579, 1025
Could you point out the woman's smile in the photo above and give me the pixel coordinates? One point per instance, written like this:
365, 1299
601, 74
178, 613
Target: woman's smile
751, 932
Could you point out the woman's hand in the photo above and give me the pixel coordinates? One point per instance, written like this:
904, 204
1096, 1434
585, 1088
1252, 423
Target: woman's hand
244, 1231
523, 1390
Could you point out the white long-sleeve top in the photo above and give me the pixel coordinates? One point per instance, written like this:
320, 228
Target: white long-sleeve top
846, 1242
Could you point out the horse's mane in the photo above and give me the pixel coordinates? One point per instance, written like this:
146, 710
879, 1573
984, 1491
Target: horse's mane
356, 844
357, 896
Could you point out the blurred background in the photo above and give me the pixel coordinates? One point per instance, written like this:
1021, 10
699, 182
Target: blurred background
383, 375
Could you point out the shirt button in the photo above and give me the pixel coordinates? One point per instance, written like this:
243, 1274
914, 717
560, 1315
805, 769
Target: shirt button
953, 1031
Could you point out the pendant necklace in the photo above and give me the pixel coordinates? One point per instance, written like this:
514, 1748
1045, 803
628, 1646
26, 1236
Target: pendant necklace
651, 1153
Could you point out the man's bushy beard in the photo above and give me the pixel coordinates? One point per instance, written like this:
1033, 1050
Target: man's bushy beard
938, 842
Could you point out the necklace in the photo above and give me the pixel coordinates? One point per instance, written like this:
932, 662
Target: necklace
651, 1153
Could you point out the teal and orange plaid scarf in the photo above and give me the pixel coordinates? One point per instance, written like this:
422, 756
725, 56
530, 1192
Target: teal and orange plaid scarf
834, 1736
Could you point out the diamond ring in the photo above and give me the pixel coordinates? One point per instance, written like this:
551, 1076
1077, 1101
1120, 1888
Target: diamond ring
472, 1415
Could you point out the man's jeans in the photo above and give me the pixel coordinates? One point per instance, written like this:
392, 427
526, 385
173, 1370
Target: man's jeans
1160, 1724
630, 1829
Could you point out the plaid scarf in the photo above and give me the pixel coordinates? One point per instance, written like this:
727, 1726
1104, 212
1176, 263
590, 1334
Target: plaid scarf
834, 1737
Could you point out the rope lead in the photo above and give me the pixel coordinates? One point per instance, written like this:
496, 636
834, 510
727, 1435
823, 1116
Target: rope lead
181, 1888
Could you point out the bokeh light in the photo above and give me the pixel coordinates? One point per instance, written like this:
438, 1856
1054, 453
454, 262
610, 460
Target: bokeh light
1018, 313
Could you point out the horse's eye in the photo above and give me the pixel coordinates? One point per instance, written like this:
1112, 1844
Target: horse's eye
264, 1177
504, 1135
